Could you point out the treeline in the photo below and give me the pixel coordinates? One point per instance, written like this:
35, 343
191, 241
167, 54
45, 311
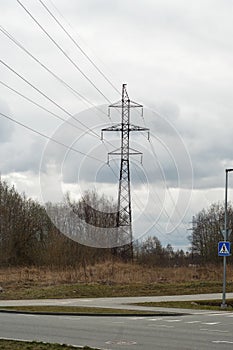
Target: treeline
207, 232
29, 237
150, 252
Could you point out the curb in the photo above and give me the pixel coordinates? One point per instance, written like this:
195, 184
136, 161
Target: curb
94, 314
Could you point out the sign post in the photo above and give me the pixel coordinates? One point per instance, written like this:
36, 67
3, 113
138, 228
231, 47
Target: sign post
224, 245
224, 249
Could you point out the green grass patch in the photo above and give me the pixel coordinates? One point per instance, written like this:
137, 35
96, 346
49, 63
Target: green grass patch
75, 310
97, 290
21, 345
197, 304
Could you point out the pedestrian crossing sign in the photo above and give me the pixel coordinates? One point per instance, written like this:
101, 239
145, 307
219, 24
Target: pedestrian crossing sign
224, 248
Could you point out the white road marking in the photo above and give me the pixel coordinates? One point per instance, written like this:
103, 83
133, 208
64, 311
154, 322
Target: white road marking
70, 318
155, 319
121, 342
174, 320
25, 315
202, 313
163, 325
64, 302
213, 330
193, 322
210, 323
222, 341
220, 314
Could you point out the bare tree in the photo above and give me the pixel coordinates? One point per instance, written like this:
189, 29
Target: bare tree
207, 232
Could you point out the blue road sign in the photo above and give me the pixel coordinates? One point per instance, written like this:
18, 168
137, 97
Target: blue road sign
224, 248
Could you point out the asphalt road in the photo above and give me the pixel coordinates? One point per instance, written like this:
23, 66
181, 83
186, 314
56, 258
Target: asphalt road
200, 331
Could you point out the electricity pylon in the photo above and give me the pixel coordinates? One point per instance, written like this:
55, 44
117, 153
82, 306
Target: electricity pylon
124, 211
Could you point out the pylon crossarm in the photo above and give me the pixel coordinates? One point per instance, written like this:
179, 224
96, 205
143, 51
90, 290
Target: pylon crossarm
133, 127
116, 127
116, 152
135, 104
134, 151
117, 104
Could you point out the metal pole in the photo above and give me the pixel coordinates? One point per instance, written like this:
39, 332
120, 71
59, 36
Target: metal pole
224, 305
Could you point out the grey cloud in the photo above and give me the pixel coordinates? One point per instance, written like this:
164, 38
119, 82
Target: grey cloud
6, 126
170, 161
176, 57
182, 58
21, 156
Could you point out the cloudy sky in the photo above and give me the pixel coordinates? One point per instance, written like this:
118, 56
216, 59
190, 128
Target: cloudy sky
176, 58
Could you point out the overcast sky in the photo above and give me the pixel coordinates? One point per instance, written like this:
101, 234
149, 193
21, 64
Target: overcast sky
176, 58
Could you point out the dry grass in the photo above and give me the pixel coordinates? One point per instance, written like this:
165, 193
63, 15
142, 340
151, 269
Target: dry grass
109, 280
27, 345
111, 273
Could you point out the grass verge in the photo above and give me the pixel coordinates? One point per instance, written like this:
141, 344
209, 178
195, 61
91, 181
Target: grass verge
197, 305
22, 345
75, 310
97, 290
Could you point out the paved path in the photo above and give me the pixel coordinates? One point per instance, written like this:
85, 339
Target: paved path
120, 303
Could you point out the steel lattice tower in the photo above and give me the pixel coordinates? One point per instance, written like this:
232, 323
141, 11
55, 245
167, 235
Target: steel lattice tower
124, 212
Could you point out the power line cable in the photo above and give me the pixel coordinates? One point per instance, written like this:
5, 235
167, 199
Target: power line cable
48, 137
38, 23
168, 191
49, 99
57, 44
167, 187
149, 216
57, 105
139, 206
78, 46
52, 4
63, 51
74, 91
38, 105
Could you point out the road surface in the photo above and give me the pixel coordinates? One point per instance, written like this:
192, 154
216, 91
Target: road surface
200, 330
197, 331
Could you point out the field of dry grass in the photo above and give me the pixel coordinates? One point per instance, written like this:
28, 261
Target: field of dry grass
111, 273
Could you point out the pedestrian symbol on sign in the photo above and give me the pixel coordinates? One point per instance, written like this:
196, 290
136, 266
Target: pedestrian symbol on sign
224, 249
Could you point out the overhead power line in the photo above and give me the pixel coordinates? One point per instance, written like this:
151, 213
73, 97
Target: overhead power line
149, 215
74, 91
167, 188
48, 137
88, 130
45, 109
49, 99
78, 46
63, 51
38, 105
